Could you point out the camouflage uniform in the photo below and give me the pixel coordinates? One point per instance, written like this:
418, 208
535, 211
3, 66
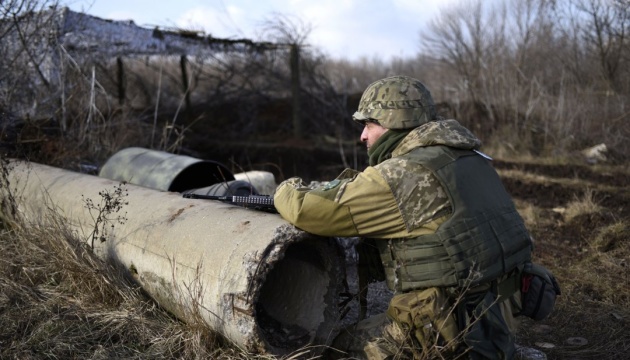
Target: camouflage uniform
403, 201
394, 199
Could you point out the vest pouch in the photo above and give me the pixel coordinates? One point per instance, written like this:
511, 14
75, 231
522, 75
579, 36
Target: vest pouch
488, 336
539, 290
427, 315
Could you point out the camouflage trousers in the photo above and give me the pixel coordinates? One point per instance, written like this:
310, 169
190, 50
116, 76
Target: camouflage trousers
380, 338
375, 338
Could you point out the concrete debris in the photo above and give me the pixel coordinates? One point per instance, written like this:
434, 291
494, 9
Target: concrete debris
595, 154
541, 329
526, 353
616, 316
576, 341
545, 345
559, 210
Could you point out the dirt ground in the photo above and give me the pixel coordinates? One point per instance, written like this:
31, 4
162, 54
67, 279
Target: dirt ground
588, 252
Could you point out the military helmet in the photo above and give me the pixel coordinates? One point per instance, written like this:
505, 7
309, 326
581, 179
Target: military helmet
396, 102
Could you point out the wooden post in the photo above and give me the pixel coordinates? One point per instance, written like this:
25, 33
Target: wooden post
294, 63
182, 63
121, 81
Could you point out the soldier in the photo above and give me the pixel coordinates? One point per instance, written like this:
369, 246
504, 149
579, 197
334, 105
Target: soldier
448, 235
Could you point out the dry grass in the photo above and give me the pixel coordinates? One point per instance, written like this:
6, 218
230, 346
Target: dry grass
531, 214
605, 265
580, 206
57, 300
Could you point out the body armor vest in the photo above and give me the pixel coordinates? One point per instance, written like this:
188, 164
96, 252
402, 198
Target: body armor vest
484, 234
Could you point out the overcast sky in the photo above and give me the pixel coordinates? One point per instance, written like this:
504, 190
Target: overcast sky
341, 28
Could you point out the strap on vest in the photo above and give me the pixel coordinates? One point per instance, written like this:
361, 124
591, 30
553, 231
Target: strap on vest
444, 158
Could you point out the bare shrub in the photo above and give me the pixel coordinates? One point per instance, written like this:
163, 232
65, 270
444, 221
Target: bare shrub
104, 213
24, 76
533, 71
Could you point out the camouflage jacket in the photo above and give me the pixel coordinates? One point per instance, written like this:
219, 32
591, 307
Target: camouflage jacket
397, 198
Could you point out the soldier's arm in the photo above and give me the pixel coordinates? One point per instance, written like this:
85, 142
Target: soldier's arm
358, 205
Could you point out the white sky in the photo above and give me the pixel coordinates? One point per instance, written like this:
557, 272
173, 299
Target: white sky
348, 29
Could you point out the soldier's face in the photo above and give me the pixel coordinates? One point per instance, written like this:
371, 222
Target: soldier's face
371, 133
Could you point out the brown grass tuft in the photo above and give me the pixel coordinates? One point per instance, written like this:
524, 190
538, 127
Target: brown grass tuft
58, 300
580, 206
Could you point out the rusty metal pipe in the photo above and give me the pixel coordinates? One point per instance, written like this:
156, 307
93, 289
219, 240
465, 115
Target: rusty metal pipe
262, 283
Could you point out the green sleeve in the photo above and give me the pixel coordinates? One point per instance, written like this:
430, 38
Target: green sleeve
354, 204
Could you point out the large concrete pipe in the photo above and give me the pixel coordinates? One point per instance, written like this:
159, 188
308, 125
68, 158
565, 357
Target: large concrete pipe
263, 181
253, 277
162, 170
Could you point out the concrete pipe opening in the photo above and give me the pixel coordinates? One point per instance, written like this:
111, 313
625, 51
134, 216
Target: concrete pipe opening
297, 304
199, 175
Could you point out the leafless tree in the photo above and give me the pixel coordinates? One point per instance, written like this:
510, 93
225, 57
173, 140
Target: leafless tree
542, 70
606, 36
25, 36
